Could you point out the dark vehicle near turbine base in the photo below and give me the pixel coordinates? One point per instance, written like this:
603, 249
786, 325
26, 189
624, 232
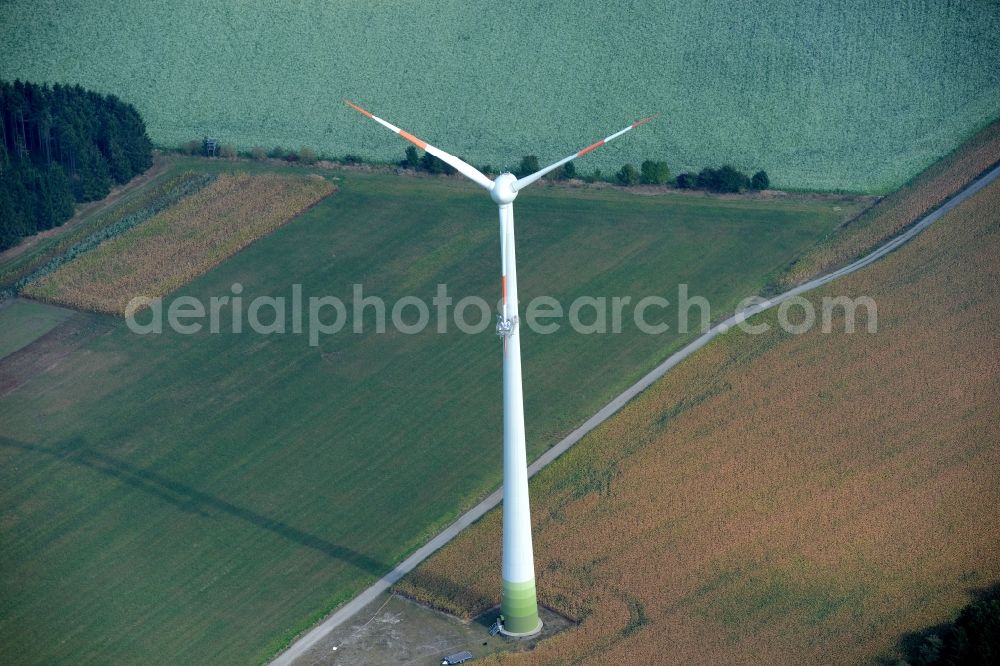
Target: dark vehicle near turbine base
457, 658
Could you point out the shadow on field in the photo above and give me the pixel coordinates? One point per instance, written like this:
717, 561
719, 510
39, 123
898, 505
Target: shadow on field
187, 499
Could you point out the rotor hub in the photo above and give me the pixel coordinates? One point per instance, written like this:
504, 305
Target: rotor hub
503, 191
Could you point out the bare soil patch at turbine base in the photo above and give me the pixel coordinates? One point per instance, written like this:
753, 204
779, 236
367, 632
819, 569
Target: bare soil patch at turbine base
396, 630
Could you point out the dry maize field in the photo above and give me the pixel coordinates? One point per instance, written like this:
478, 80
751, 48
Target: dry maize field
181, 243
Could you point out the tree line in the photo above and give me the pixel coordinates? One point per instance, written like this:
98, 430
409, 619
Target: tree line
304, 155
61, 145
723, 179
651, 172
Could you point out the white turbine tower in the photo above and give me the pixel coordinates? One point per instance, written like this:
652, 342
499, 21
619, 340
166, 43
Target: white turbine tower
519, 606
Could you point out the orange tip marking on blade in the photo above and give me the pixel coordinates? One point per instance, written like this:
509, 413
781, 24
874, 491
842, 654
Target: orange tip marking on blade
590, 148
503, 288
422, 145
645, 120
357, 108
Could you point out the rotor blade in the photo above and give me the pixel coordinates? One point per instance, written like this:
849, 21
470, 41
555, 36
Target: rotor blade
528, 180
464, 168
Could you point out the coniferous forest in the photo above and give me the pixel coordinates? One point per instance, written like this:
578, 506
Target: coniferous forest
62, 145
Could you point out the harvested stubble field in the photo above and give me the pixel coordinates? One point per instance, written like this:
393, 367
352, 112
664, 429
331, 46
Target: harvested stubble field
780, 498
180, 243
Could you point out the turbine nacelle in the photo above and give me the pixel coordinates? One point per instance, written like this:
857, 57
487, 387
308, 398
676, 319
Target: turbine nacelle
504, 189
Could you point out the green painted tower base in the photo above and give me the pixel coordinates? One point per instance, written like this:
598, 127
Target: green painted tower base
519, 608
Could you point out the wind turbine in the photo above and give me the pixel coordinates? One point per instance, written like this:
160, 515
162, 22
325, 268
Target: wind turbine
519, 604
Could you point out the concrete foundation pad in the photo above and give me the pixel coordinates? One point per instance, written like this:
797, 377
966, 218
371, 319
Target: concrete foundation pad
396, 630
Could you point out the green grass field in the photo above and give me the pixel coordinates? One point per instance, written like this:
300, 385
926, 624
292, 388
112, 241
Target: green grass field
832, 95
23, 322
200, 498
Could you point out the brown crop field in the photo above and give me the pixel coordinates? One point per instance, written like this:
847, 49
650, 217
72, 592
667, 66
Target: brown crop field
780, 498
182, 242
898, 210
